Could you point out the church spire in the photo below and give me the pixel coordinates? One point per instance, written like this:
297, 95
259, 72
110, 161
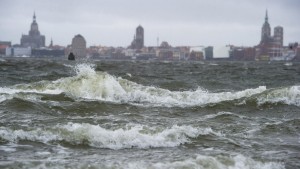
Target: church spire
266, 29
34, 17
266, 18
51, 43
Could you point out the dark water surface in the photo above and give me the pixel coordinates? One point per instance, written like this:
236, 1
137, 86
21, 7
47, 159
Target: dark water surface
127, 114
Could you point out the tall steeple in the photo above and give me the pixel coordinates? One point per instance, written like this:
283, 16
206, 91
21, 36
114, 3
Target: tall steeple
266, 18
266, 29
34, 29
51, 43
34, 17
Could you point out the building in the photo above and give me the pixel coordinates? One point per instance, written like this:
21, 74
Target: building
48, 52
34, 39
242, 53
18, 51
269, 46
209, 53
196, 53
3, 46
221, 52
297, 57
278, 35
78, 46
138, 41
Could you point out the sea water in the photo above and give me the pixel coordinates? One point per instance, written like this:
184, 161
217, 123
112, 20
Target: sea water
148, 114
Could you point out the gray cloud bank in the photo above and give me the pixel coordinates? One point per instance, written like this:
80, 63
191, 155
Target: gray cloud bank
180, 22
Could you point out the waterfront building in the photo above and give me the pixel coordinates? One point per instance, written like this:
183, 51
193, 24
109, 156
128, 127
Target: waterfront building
269, 46
3, 46
297, 58
209, 53
242, 53
78, 46
196, 53
278, 35
138, 41
34, 39
48, 52
18, 51
221, 51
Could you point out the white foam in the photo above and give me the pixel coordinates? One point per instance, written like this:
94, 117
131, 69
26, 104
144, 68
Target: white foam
67, 65
26, 94
8, 148
210, 162
211, 116
85, 69
89, 84
26, 89
92, 85
138, 136
33, 135
135, 136
198, 162
288, 95
4, 97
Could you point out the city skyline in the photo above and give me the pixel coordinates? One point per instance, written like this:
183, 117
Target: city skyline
112, 23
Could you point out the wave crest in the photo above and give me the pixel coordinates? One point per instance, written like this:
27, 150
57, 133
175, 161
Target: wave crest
93, 85
138, 136
198, 162
289, 95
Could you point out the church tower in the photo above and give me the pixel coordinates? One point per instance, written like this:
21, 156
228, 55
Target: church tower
266, 30
140, 36
34, 39
138, 41
34, 29
269, 46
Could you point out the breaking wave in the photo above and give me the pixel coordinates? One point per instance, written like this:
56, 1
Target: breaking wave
138, 136
198, 162
94, 85
219, 162
289, 95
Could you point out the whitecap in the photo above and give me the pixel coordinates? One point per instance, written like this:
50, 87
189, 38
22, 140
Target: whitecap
220, 162
199, 162
132, 136
288, 95
92, 85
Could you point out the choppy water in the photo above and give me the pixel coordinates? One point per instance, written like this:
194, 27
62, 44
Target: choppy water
116, 114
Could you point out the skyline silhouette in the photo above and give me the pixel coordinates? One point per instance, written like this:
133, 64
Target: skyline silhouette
112, 23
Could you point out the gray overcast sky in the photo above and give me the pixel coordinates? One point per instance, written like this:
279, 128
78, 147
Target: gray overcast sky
179, 22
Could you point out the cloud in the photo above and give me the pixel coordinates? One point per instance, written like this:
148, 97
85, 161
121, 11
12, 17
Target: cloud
113, 22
